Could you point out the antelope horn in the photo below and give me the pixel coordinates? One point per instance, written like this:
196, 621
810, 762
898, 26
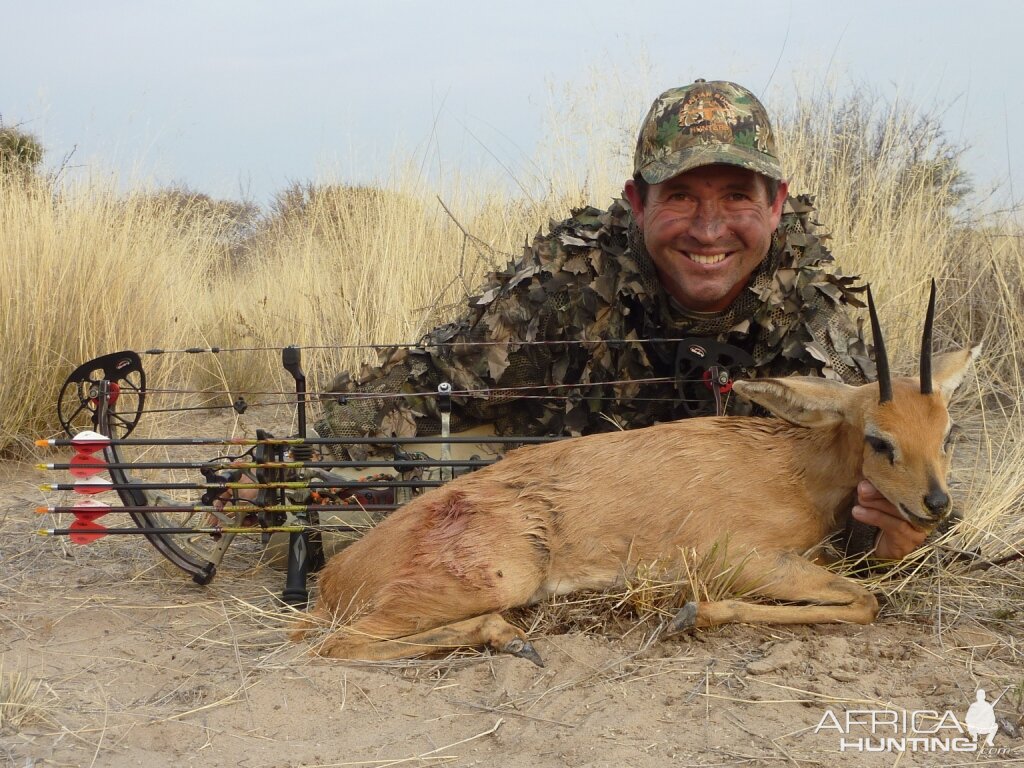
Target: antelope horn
881, 360
926, 345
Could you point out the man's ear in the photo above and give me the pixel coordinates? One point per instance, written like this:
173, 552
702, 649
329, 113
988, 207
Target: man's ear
635, 202
777, 204
805, 401
949, 369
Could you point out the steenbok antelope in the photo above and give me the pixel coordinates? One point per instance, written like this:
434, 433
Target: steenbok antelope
583, 514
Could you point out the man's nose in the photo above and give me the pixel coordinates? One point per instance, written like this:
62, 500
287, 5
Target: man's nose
706, 224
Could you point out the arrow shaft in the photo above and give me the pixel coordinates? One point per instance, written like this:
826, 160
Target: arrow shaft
238, 486
229, 508
102, 531
289, 441
392, 464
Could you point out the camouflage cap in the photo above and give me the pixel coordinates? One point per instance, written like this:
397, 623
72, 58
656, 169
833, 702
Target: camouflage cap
702, 124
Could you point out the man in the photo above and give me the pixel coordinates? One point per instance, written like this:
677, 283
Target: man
606, 322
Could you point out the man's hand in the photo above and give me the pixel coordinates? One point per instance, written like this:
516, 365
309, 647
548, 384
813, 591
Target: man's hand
897, 538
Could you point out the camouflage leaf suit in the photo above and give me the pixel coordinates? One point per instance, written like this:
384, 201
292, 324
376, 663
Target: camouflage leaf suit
589, 291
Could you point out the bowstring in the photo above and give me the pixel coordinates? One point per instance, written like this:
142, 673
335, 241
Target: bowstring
423, 344
520, 392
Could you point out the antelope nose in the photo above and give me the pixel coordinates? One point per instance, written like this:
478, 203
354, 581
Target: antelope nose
937, 502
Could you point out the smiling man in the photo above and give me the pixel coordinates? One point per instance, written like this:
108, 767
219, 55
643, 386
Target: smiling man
707, 230
707, 191
709, 263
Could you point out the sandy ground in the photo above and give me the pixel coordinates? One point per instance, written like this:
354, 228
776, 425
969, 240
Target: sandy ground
120, 660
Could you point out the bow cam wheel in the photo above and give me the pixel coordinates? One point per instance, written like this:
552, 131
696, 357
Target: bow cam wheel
81, 395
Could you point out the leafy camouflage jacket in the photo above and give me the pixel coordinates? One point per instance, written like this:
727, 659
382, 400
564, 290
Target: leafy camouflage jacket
578, 336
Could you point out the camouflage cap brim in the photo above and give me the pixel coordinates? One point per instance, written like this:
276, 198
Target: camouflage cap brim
697, 157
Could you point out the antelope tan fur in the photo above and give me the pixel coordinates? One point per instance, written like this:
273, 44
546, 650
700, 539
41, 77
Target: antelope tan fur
582, 514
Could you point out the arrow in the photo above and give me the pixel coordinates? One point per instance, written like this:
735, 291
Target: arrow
89, 505
94, 485
83, 533
84, 466
89, 438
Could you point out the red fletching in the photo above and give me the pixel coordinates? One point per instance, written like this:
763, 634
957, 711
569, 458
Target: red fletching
85, 465
88, 442
87, 511
85, 532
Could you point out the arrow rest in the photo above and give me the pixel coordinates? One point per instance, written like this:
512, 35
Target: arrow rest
705, 370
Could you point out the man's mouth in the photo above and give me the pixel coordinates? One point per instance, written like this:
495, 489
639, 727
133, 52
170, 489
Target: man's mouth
706, 260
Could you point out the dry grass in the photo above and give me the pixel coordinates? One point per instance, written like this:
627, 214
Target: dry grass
85, 272
20, 700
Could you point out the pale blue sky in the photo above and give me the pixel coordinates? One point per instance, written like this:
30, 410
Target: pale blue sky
240, 97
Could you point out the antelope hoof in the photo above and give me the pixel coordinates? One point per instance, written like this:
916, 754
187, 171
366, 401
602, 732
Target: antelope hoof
524, 650
685, 619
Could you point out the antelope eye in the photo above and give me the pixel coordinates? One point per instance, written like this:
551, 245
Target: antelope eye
881, 446
954, 434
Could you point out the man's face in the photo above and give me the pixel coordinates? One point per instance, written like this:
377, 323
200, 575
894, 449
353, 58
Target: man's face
707, 230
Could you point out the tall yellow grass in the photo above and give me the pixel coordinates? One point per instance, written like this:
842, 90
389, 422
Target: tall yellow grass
85, 272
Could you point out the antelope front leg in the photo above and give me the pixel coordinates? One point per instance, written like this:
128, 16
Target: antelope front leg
826, 597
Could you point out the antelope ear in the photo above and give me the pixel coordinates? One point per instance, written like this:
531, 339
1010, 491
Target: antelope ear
950, 368
805, 401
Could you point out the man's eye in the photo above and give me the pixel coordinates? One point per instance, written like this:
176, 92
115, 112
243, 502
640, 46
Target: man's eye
882, 447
